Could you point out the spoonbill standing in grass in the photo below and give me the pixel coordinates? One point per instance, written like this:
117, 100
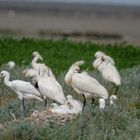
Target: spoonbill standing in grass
106, 65
24, 90
84, 84
11, 64
48, 86
40, 66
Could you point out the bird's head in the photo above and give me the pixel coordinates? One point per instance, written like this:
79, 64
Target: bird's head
4, 73
112, 99
11, 64
69, 97
36, 54
75, 68
69, 105
97, 62
99, 54
54, 105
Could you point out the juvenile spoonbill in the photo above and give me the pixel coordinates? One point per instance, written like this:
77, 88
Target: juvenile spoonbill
62, 109
112, 99
11, 64
24, 90
84, 84
49, 87
40, 66
67, 108
108, 70
77, 106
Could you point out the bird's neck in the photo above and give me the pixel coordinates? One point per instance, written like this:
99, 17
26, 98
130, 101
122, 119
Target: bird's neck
68, 77
6, 80
34, 61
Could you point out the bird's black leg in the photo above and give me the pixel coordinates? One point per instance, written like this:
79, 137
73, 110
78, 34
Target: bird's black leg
22, 108
84, 102
93, 100
116, 88
45, 102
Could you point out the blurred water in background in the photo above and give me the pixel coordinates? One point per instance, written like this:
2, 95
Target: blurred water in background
114, 2
81, 20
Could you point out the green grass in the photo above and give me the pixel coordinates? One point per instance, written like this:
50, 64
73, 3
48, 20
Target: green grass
119, 122
59, 55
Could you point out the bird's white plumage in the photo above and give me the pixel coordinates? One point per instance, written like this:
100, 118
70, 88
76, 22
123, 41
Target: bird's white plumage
62, 109
77, 106
107, 58
101, 103
50, 88
30, 72
70, 107
22, 88
41, 67
84, 84
11, 64
109, 71
112, 98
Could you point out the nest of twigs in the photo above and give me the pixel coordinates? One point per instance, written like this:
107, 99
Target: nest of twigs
46, 116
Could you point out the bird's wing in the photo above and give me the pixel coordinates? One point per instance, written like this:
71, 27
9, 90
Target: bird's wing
86, 84
109, 59
50, 87
44, 69
110, 73
24, 87
30, 72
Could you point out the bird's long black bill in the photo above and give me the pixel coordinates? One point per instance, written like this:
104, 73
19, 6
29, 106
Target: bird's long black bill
84, 101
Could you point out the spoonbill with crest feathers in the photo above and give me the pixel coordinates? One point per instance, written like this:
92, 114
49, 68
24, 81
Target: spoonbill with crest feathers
49, 87
40, 66
84, 84
106, 65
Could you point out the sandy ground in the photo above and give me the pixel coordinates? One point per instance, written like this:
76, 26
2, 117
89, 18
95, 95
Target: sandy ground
50, 20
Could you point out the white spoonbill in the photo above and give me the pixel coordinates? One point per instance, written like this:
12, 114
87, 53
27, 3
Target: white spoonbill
11, 64
48, 86
108, 70
40, 66
84, 84
107, 58
67, 108
105, 64
77, 106
62, 109
112, 99
24, 90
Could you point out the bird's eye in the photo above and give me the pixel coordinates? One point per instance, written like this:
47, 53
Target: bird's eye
1, 74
